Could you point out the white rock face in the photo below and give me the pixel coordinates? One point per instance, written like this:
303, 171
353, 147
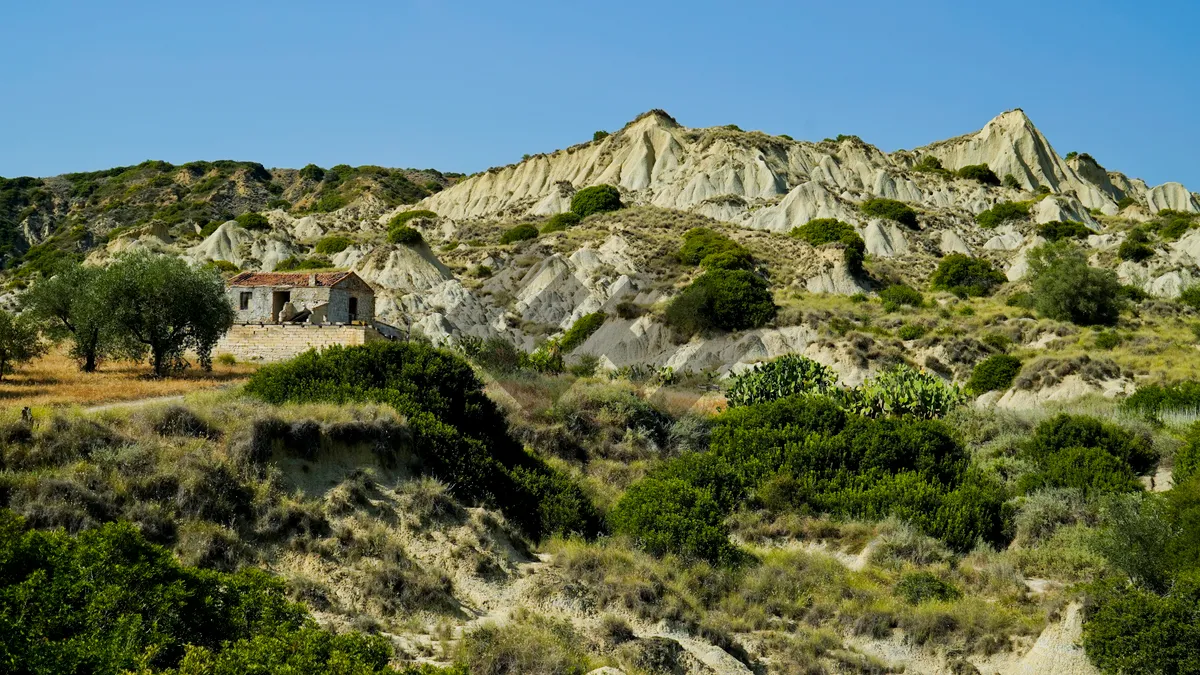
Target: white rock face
1171, 196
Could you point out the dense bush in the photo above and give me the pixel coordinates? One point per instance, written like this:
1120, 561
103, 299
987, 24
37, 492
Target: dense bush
312, 172
1066, 431
671, 515
19, 340
459, 434
519, 233
581, 330
980, 172
1147, 624
404, 217
292, 263
1136, 246
898, 295
918, 587
805, 453
1066, 288
1154, 399
722, 299
892, 210
524, 645
1187, 457
785, 376
700, 243
332, 244
1057, 230
966, 276
405, 235
1001, 213
995, 373
1086, 454
107, 601
1010, 181
560, 221
1190, 296
595, 199
930, 164
829, 230
253, 221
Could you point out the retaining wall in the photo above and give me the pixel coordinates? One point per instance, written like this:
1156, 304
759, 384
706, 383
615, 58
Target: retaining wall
278, 342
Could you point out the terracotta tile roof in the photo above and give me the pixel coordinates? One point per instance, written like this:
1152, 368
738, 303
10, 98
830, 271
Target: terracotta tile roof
300, 279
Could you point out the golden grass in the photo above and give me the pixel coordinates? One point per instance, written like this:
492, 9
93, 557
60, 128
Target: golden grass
55, 380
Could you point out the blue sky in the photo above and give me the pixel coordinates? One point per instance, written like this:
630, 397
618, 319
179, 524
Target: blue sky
462, 86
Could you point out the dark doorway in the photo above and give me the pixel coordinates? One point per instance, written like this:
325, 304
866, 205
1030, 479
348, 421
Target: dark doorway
353, 309
278, 300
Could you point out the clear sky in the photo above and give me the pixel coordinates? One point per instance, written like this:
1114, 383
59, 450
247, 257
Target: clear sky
461, 86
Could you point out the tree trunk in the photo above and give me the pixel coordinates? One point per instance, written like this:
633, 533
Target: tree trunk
89, 362
157, 356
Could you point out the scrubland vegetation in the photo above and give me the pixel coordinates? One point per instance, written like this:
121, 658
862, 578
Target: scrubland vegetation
795, 529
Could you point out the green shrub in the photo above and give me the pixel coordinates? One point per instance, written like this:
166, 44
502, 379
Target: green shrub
599, 135
595, 199
278, 203
829, 230
1108, 339
912, 331
312, 172
721, 299
525, 645
1187, 457
292, 263
785, 376
995, 373
458, 433
404, 217
333, 244
670, 515
253, 221
804, 453
1058, 230
1066, 288
1001, 213
107, 601
904, 391
891, 210
1129, 629
1190, 296
898, 295
701, 243
965, 276
729, 260
921, 586
405, 235
560, 221
1154, 399
997, 341
930, 164
980, 172
1010, 181
581, 330
519, 233
224, 266
1064, 432
1125, 202
1135, 247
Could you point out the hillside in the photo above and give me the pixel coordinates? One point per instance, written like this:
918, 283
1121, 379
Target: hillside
463, 283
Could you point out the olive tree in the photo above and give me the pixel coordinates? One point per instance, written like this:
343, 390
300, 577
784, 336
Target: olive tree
70, 306
1066, 288
19, 341
161, 306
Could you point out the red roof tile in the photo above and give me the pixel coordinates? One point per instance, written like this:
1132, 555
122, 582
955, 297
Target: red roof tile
301, 279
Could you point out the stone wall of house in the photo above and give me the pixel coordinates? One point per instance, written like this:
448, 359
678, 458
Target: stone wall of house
278, 342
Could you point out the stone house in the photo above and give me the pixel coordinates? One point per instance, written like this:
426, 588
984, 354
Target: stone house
301, 297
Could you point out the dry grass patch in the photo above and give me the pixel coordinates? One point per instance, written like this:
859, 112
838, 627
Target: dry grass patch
55, 380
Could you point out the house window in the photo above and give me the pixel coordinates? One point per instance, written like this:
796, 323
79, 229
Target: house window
353, 309
244, 300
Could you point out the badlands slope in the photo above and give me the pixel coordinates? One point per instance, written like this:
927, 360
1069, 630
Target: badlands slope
755, 187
